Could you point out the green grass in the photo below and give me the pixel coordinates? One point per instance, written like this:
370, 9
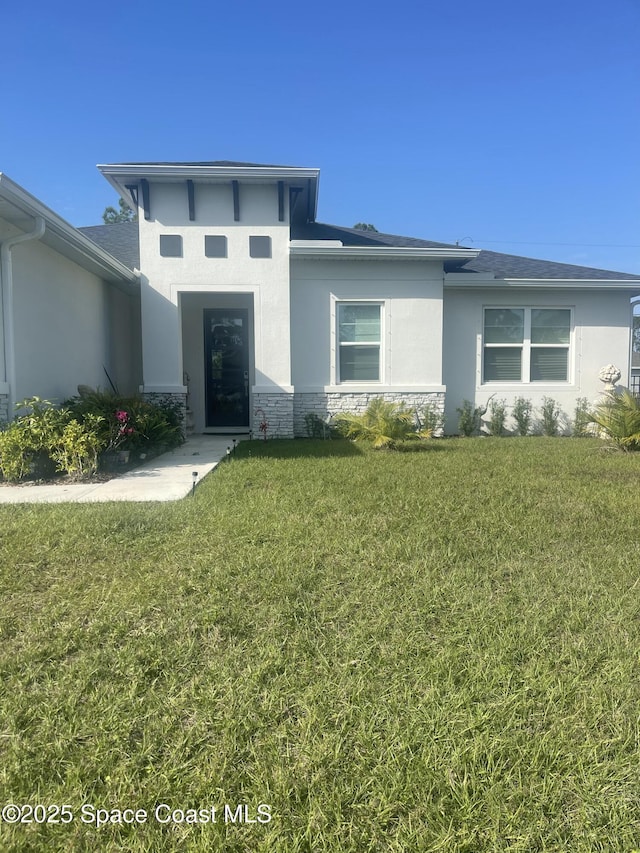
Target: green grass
427, 651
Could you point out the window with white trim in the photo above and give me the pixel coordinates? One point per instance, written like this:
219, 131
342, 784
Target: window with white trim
526, 345
359, 341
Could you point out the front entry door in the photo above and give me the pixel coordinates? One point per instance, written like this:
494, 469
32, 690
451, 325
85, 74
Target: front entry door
226, 352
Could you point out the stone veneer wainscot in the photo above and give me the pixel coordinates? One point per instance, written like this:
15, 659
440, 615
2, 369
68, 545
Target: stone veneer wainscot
278, 413
323, 403
170, 399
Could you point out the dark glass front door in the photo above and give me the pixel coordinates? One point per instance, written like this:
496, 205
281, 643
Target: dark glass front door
226, 352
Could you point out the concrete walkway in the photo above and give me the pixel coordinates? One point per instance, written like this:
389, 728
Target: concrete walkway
166, 478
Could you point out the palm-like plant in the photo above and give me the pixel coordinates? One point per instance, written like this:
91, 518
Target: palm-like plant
383, 424
618, 416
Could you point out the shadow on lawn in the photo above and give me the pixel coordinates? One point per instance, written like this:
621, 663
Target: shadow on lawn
299, 448
296, 448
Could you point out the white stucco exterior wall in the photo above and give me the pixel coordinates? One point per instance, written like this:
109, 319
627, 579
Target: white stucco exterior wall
600, 335
410, 294
166, 280
69, 325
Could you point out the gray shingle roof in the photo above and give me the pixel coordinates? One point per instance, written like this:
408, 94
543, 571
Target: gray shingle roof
513, 266
502, 266
353, 237
121, 240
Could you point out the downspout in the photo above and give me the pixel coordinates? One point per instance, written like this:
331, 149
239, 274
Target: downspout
6, 279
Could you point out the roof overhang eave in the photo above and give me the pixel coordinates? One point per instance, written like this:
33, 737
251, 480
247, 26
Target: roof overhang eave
59, 234
190, 171
378, 252
119, 174
474, 281
122, 175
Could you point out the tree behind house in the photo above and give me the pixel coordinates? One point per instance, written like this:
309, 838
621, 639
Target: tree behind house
123, 214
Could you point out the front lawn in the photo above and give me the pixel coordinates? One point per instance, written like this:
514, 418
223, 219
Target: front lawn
420, 651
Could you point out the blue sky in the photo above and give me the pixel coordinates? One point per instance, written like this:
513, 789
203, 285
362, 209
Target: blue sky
503, 125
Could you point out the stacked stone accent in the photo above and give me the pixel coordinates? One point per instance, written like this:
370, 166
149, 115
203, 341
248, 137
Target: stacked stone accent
277, 411
179, 400
325, 404
4, 408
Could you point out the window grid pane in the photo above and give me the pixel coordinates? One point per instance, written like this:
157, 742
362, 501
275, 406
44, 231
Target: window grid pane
549, 364
550, 325
503, 364
358, 323
359, 364
504, 325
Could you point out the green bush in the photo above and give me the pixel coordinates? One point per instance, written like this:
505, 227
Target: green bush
582, 418
129, 423
550, 420
26, 442
16, 453
522, 415
76, 450
432, 418
470, 419
384, 425
618, 416
44, 440
497, 417
70, 439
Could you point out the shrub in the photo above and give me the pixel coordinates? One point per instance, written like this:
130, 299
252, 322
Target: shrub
522, 415
129, 423
470, 419
432, 419
383, 424
550, 420
582, 418
26, 443
76, 450
618, 416
70, 439
156, 426
498, 417
16, 453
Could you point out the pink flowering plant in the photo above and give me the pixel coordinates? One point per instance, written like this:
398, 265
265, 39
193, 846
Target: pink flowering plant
130, 423
123, 431
263, 425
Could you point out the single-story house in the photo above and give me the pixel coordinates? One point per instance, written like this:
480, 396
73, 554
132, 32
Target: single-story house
230, 297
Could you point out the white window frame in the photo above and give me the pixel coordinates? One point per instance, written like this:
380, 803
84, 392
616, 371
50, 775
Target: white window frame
527, 346
380, 343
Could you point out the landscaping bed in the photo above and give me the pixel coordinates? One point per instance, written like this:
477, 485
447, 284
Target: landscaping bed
93, 436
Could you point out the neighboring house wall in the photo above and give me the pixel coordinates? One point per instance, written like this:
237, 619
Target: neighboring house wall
187, 284
410, 298
69, 326
600, 335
